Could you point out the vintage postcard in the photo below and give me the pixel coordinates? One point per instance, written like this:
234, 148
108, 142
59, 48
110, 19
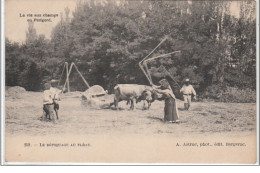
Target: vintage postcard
129, 82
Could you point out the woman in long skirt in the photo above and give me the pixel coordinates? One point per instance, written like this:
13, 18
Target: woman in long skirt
170, 107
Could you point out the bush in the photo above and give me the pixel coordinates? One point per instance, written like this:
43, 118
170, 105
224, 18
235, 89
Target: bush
229, 94
236, 95
213, 92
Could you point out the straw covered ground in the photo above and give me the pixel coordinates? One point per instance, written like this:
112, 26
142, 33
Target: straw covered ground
23, 111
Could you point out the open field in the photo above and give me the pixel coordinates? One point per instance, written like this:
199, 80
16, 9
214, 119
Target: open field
22, 117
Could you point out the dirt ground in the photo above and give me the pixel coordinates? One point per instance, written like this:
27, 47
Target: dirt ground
23, 112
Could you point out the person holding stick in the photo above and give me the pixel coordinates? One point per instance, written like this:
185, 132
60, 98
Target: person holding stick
48, 106
50, 102
170, 106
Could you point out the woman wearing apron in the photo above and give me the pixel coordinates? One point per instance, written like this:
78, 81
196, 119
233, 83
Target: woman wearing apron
170, 107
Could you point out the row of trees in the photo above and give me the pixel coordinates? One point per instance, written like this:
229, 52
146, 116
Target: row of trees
106, 41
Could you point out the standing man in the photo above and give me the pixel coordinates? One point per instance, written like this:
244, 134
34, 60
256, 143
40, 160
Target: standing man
56, 98
187, 90
48, 106
50, 102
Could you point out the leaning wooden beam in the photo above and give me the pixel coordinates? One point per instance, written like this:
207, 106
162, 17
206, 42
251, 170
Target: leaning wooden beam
67, 80
81, 76
61, 74
146, 75
161, 56
172, 78
68, 75
154, 49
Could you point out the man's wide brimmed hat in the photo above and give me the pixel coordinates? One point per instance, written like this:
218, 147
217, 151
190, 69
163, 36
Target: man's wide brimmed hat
187, 80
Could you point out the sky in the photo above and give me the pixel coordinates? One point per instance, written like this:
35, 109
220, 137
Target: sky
16, 26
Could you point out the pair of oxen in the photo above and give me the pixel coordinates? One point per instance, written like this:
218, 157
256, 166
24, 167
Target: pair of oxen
134, 93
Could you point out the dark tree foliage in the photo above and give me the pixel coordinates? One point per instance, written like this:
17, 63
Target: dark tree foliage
106, 41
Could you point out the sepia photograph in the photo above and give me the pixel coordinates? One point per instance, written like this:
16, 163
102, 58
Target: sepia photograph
130, 82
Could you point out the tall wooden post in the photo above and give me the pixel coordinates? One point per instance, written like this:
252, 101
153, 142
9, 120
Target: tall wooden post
81, 75
67, 76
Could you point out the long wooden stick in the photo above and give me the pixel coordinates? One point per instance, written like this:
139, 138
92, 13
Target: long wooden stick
147, 74
161, 56
173, 78
154, 49
68, 75
67, 71
61, 74
81, 76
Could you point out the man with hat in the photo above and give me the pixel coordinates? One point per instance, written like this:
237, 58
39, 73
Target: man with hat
48, 106
56, 96
187, 90
50, 97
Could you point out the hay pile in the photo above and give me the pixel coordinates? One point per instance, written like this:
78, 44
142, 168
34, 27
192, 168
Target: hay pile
97, 98
74, 94
92, 91
15, 92
99, 102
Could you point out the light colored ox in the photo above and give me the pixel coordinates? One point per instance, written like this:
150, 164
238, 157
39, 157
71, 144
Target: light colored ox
132, 93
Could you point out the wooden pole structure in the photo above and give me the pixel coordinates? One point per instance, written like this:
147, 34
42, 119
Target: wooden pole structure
81, 76
144, 61
161, 56
68, 74
67, 80
64, 66
147, 74
155, 48
173, 78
